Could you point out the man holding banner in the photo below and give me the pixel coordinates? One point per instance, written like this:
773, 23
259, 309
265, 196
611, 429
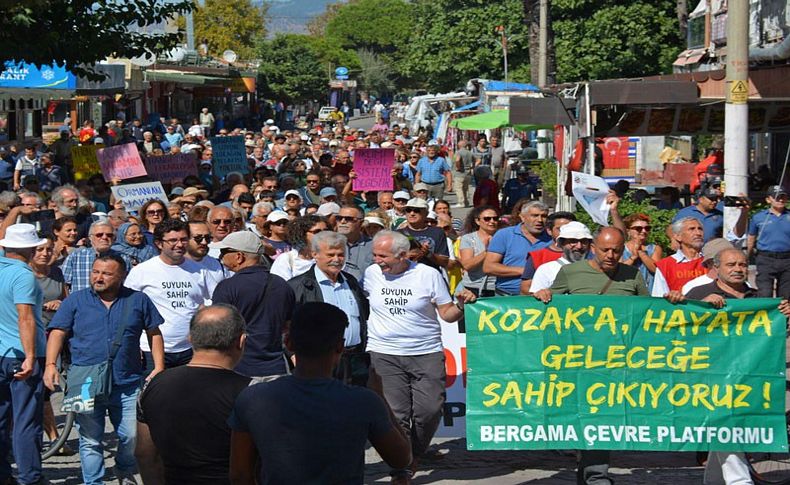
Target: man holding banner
603, 275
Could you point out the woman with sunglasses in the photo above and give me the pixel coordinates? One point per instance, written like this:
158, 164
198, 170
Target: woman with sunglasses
480, 226
638, 252
152, 213
129, 240
300, 258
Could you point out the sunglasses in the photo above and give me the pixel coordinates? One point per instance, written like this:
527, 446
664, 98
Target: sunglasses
316, 231
154, 212
490, 218
203, 238
640, 228
103, 235
292, 197
219, 222
347, 218
281, 222
411, 209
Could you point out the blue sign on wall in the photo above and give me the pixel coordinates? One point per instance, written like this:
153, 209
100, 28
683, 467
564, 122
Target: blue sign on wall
25, 75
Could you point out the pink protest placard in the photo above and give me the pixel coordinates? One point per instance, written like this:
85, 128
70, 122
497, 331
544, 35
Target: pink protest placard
171, 169
120, 161
374, 169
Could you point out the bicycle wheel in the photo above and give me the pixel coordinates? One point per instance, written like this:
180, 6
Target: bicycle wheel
64, 431
771, 468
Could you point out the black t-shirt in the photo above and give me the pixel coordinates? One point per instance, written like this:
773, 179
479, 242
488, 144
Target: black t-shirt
713, 288
186, 409
310, 431
437, 241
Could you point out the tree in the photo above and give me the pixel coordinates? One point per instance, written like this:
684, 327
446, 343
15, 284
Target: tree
604, 39
384, 27
532, 18
290, 70
375, 75
80, 33
316, 26
456, 40
237, 25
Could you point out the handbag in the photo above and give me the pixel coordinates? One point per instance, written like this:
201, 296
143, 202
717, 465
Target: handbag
89, 385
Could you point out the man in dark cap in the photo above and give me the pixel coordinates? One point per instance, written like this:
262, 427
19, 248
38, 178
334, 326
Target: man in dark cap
769, 233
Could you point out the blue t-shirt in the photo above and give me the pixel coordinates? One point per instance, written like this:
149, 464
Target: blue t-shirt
174, 138
91, 329
18, 286
772, 231
432, 171
310, 430
712, 222
514, 247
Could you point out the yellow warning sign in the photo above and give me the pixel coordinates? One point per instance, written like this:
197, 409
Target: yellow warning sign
739, 92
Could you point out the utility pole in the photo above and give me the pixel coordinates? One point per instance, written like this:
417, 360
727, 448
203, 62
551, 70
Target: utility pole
501, 30
736, 109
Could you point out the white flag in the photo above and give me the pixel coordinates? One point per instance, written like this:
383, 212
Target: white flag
591, 192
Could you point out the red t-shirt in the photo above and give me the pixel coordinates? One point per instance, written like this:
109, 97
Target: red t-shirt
678, 274
489, 190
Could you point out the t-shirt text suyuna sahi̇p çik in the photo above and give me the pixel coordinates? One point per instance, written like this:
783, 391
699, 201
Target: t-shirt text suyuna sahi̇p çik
403, 317
177, 291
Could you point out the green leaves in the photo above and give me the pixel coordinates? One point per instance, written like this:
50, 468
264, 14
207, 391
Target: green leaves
291, 69
237, 25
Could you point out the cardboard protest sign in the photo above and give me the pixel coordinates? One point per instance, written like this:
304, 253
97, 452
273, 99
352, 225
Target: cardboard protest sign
84, 161
134, 196
591, 191
170, 169
373, 167
625, 373
228, 155
120, 161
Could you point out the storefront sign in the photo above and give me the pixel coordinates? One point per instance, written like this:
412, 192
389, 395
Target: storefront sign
26, 75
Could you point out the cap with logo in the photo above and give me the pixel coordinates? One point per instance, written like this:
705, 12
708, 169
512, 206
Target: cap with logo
776, 191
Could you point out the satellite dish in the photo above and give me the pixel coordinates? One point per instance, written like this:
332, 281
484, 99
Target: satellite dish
144, 60
229, 56
177, 54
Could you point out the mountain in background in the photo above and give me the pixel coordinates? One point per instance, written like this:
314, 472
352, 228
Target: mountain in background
291, 16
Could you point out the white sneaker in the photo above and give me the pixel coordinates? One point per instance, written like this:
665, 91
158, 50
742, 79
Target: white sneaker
459, 206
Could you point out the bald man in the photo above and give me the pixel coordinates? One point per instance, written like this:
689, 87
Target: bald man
602, 275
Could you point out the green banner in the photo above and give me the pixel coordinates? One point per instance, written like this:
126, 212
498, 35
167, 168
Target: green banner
625, 373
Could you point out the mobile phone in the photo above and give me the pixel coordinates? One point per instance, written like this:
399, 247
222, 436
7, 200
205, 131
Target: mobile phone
734, 201
42, 215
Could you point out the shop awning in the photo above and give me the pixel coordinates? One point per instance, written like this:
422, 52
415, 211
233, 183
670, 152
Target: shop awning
179, 77
39, 97
499, 118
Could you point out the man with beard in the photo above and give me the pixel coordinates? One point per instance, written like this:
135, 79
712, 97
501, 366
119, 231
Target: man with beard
602, 275
178, 287
675, 271
197, 251
91, 320
432, 242
574, 240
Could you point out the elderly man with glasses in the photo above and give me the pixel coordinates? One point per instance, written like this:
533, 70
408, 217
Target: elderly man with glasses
78, 265
221, 222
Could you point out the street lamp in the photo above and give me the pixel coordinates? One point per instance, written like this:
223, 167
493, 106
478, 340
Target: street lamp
500, 29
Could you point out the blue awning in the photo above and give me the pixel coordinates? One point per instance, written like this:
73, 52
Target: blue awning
468, 107
509, 86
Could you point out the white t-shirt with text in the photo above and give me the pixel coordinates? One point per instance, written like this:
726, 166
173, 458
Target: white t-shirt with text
403, 318
177, 291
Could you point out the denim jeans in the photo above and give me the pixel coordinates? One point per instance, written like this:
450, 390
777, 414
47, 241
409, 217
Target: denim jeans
172, 359
21, 402
122, 408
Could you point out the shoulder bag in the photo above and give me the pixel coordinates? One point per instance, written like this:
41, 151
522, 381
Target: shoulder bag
88, 385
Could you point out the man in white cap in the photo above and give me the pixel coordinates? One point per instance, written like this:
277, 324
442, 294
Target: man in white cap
433, 250
398, 212
574, 240
23, 348
252, 284
293, 200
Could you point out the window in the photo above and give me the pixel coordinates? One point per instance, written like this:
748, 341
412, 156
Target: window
696, 32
